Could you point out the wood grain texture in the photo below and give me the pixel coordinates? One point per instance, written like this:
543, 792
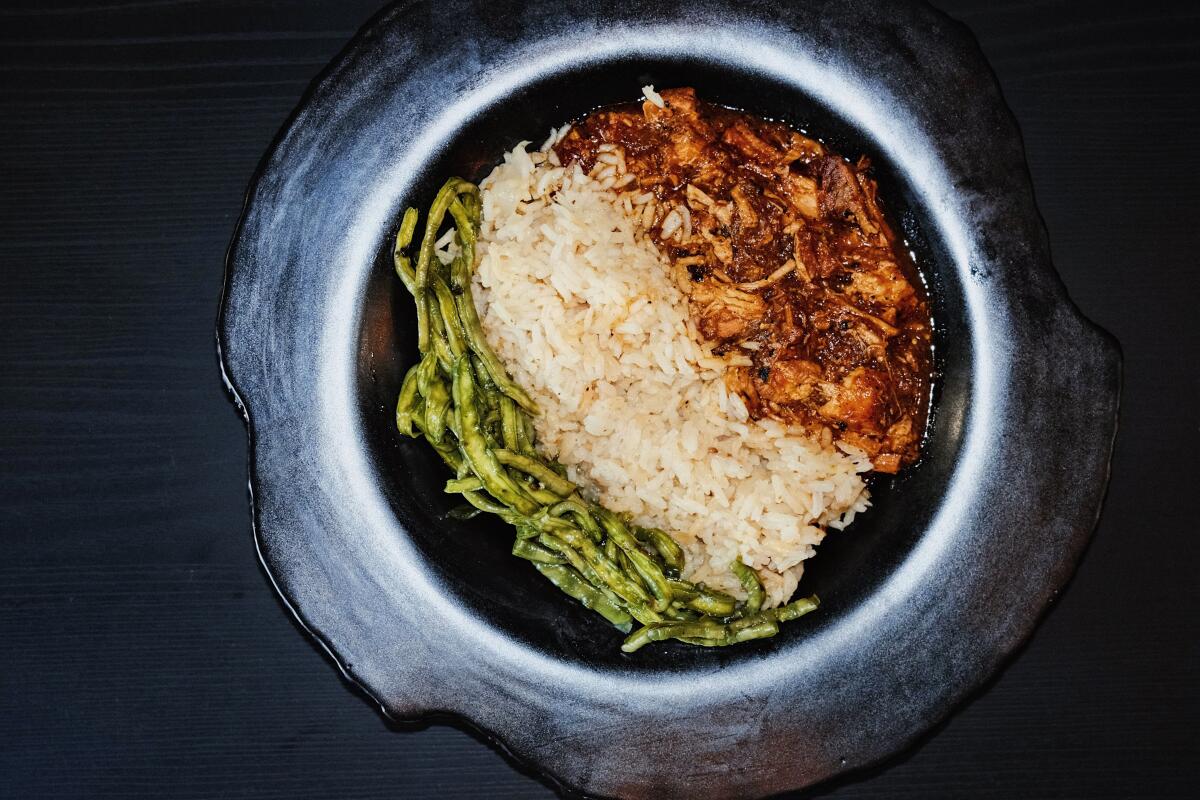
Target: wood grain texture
142, 650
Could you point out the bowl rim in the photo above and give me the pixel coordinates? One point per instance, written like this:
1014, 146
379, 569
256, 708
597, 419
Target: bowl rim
1097, 351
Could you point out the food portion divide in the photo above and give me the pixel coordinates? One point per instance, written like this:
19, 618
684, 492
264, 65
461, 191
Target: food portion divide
665, 348
460, 399
789, 264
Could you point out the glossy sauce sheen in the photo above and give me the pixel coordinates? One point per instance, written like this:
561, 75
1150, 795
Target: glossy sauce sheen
788, 262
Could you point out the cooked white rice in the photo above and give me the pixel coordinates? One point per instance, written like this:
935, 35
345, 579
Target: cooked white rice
581, 307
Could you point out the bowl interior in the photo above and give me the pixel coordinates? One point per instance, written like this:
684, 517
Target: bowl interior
472, 558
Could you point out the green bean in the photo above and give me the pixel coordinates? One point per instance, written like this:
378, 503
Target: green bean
570, 582
667, 548
759, 626
699, 629
525, 434
650, 573
651, 576
544, 522
466, 219
488, 396
546, 476
683, 591
598, 573
753, 586
462, 266
532, 551
705, 600
428, 375
399, 259
460, 485
425, 257
797, 608
426, 370
553, 543
450, 321
681, 613
580, 513
437, 404
490, 391
408, 226
625, 588
510, 424
478, 343
473, 203
643, 613
714, 604
438, 341
491, 422
483, 503
417, 415
751, 628
707, 632
406, 403
452, 423
543, 497
483, 460
464, 469
449, 451
527, 531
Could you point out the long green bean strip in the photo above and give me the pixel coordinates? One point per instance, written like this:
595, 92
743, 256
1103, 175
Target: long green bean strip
433, 223
460, 485
402, 263
573, 584
441, 345
460, 399
546, 476
667, 548
797, 608
425, 257
437, 404
699, 629
525, 435
460, 268
406, 403
557, 545
474, 331
581, 514
532, 551
544, 497
627, 588
455, 337
638, 610
706, 601
644, 567
483, 459
753, 586
510, 425
483, 504
760, 626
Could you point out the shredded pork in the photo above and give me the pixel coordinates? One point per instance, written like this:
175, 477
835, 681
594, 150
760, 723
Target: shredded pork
787, 259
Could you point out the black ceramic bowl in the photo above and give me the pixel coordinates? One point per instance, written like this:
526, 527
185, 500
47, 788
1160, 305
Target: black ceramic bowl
923, 596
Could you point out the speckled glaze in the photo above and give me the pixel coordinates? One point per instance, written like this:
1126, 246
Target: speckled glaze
923, 597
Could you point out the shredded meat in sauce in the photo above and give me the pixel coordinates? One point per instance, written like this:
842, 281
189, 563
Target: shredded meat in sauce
787, 261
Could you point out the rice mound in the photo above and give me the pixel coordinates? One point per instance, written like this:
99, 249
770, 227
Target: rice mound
581, 306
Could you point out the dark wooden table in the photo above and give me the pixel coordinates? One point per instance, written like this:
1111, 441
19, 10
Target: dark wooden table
143, 651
